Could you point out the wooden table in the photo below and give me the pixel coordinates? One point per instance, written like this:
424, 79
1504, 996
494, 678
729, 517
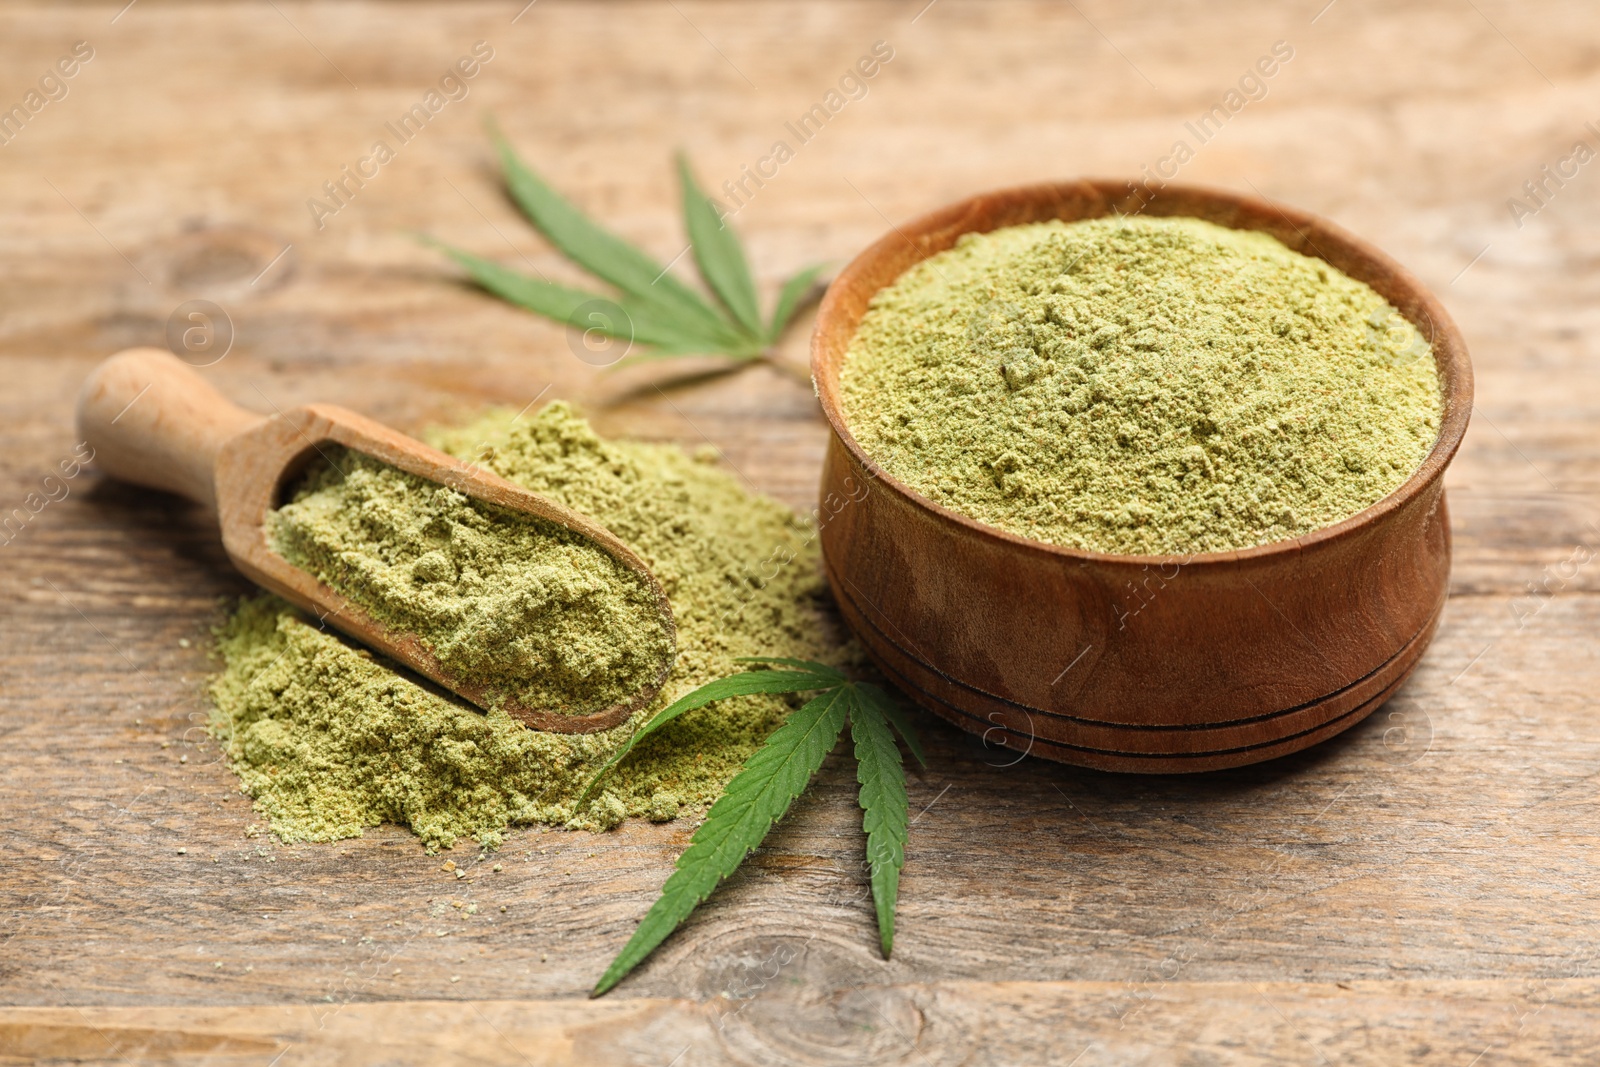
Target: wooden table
1419, 889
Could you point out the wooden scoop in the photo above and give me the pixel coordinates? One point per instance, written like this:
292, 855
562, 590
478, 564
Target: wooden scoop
153, 421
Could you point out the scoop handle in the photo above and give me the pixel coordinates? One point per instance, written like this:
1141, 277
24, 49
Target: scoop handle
153, 421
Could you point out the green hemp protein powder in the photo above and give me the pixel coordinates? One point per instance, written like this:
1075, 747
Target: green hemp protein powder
506, 600
329, 739
1141, 386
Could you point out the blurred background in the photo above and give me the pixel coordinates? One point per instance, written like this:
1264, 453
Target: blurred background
182, 160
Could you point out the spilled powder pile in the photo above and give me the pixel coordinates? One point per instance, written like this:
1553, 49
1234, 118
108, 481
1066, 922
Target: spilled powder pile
1140, 385
330, 740
504, 599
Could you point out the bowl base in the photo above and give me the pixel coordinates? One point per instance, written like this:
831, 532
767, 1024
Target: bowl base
1107, 746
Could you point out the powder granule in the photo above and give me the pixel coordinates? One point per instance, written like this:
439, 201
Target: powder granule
329, 739
505, 599
1140, 385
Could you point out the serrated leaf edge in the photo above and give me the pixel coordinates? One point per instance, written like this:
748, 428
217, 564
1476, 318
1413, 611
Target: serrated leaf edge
885, 815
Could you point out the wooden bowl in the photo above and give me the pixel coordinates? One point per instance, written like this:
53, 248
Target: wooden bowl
1121, 662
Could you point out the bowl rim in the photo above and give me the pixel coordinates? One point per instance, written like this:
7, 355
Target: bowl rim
926, 235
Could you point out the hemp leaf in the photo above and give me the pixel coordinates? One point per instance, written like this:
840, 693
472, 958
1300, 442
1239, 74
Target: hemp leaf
883, 807
761, 793
814, 676
650, 307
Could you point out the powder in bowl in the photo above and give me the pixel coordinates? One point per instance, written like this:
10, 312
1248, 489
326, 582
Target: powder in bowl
1140, 385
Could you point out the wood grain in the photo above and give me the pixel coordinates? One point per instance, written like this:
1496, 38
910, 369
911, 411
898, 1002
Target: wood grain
981, 1024
1438, 858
